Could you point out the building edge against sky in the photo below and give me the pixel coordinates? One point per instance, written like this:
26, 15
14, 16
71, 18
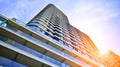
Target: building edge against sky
49, 40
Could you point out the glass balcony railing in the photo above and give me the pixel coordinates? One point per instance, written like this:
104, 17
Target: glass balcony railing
40, 42
50, 47
4, 62
67, 47
27, 49
18, 22
33, 52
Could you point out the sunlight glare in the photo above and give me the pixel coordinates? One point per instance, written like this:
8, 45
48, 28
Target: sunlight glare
103, 50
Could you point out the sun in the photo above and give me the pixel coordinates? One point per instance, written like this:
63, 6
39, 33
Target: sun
100, 44
102, 49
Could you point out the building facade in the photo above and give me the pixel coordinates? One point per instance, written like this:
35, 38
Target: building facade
48, 40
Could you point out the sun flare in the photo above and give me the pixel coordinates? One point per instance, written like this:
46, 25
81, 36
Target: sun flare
103, 50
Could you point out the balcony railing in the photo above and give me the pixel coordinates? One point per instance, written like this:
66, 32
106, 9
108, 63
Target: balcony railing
4, 62
18, 45
33, 52
50, 47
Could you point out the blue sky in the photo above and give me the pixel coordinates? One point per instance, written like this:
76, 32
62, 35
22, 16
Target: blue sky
97, 18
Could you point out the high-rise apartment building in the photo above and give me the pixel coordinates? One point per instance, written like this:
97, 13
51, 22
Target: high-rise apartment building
48, 40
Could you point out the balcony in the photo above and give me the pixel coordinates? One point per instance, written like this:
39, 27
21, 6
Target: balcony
23, 55
59, 54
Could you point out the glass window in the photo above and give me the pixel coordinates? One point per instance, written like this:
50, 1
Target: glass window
2, 38
11, 27
56, 34
2, 19
56, 38
2, 23
46, 34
